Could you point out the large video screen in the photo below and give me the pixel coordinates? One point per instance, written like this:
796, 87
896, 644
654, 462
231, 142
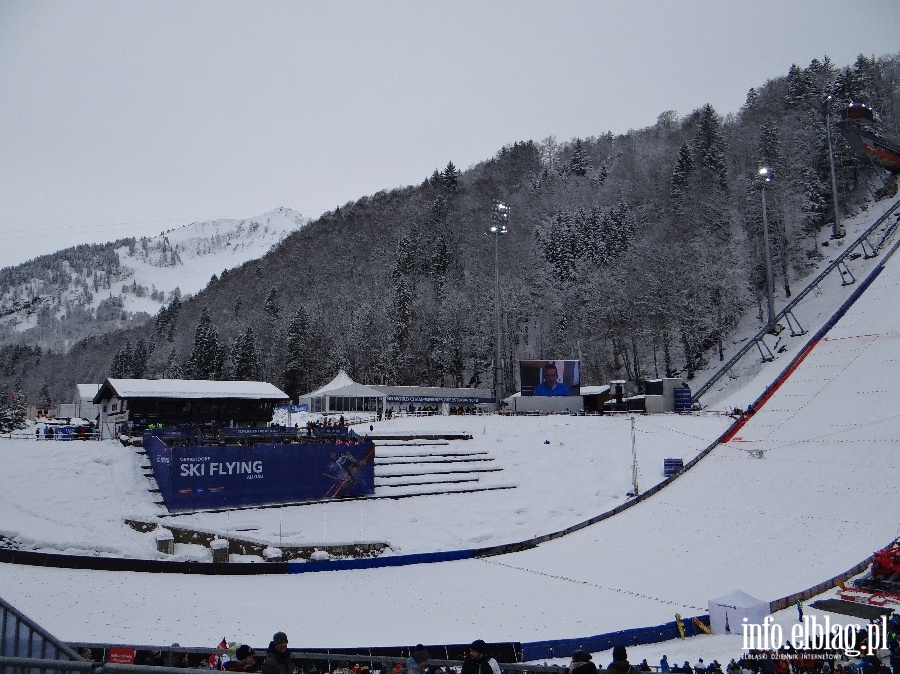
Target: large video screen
550, 377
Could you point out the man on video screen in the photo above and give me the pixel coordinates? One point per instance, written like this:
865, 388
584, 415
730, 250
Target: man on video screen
551, 385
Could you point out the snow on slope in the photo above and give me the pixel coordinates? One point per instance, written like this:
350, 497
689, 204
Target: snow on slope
187, 257
184, 258
584, 469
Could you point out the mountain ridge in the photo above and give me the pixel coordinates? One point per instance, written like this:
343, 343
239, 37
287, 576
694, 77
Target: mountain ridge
123, 283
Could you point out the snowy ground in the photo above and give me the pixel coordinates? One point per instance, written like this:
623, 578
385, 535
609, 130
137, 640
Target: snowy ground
823, 498
74, 496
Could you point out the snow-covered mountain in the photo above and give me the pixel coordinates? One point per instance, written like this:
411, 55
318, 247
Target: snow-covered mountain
55, 300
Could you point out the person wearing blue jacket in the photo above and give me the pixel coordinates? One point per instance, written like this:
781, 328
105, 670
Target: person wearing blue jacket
551, 386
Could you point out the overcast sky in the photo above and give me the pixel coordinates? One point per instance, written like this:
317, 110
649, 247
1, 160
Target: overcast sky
128, 118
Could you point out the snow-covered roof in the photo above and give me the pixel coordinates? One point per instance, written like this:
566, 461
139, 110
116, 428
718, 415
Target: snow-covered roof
87, 391
354, 390
594, 390
738, 598
434, 392
341, 380
343, 385
188, 389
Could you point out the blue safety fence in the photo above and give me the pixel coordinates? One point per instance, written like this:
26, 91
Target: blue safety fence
563, 648
379, 562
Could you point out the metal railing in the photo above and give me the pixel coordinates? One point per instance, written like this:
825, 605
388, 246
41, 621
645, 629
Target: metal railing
18, 665
869, 250
23, 639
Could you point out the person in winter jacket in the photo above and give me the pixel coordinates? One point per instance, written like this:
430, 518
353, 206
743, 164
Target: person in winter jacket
664, 664
581, 663
479, 661
243, 660
278, 658
417, 663
620, 664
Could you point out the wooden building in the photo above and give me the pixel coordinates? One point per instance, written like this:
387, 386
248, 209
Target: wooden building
133, 404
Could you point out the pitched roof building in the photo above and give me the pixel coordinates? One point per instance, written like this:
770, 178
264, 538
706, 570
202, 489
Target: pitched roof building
132, 404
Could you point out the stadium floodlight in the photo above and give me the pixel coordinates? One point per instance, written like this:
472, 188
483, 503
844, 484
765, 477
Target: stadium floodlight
499, 220
837, 231
765, 175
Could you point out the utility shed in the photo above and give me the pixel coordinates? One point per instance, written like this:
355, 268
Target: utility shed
84, 401
128, 405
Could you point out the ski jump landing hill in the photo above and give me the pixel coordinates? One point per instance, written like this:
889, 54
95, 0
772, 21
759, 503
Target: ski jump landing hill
823, 497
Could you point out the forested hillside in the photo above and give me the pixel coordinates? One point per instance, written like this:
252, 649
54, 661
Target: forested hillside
634, 253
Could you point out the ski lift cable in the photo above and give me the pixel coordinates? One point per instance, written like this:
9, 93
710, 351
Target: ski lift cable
594, 585
646, 422
675, 507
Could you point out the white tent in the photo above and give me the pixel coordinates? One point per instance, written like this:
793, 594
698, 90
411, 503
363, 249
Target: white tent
342, 394
727, 613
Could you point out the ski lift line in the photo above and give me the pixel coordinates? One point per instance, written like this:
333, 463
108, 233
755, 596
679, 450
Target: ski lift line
773, 514
644, 422
799, 297
873, 335
590, 584
782, 458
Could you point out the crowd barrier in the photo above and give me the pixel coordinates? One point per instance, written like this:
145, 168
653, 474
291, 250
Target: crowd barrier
815, 590
563, 648
54, 560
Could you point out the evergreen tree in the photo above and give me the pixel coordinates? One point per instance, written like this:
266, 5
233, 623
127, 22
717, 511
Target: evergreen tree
800, 88
440, 263
709, 146
13, 411
450, 177
409, 253
139, 358
300, 356
681, 174
173, 366
438, 212
578, 164
167, 317
123, 362
207, 359
768, 148
245, 359
401, 320
271, 304
44, 397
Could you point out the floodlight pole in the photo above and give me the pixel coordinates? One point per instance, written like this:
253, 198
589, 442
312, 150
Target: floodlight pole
766, 175
836, 231
499, 218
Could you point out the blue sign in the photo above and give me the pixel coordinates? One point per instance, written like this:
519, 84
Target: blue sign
293, 409
438, 399
213, 476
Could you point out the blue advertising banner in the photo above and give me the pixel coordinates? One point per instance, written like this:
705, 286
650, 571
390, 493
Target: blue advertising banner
438, 399
293, 409
220, 476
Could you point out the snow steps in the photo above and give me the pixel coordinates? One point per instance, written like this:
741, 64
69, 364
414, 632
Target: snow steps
403, 474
